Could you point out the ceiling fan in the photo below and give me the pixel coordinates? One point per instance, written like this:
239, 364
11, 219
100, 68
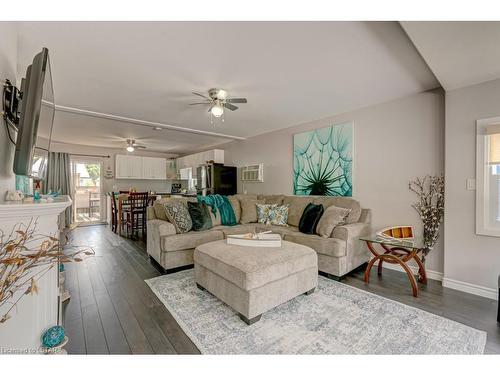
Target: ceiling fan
131, 145
218, 101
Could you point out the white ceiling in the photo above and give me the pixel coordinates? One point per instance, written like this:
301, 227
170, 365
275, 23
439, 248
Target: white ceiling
459, 53
291, 72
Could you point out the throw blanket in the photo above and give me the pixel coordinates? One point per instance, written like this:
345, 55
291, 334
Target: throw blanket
220, 203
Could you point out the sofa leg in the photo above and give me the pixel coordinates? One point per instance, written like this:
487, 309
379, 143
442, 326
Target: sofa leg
157, 265
309, 292
250, 321
178, 269
330, 276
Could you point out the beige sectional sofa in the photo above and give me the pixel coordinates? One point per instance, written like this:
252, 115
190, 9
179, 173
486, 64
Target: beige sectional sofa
338, 254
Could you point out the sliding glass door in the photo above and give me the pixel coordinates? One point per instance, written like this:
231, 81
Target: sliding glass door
88, 199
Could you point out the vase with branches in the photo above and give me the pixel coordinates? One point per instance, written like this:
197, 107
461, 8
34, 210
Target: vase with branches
430, 207
25, 257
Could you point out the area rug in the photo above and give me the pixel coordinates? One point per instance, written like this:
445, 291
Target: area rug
335, 319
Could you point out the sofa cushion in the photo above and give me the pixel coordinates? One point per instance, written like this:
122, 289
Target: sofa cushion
272, 199
263, 212
200, 216
216, 219
159, 210
344, 202
189, 240
159, 205
331, 218
245, 196
250, 268
296, 205
236, 229
281, 230
327, 246
310, 218
235, 203
178, 214
249, 210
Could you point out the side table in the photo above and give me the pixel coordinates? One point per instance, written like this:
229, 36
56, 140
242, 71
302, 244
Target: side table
396, 252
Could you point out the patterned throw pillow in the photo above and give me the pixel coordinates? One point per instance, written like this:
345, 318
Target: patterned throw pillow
279, 215
263, 212
178, 214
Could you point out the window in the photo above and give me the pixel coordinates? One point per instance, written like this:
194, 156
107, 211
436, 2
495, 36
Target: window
488, 177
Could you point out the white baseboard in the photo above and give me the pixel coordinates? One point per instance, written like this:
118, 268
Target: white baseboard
470, 288
450, 283
433, 275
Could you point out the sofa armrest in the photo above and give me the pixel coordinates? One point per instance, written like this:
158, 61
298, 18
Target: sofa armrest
150, 213
352, 231
156, 230
366, 216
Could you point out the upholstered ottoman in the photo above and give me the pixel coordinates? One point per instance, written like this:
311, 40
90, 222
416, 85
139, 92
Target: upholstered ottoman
253, 280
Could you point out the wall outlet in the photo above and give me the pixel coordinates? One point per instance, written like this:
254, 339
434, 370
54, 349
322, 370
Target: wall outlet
471, 184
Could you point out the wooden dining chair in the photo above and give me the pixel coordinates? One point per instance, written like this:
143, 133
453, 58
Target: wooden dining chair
136, 215
114, 212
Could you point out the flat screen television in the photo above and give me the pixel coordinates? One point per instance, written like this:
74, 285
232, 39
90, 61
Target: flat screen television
36, 117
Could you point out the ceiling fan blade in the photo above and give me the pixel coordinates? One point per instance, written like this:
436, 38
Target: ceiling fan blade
230, 106
236, 100
139, 146
198, 103
203, 96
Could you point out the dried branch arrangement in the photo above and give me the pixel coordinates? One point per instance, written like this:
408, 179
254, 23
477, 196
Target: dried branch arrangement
430, 207
25, 256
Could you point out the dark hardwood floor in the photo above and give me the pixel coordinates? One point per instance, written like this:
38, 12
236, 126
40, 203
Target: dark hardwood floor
113, 311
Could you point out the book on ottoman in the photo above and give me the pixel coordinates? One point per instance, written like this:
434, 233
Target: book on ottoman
253, 239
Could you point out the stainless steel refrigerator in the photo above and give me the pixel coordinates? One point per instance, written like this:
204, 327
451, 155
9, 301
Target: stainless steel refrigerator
216, 179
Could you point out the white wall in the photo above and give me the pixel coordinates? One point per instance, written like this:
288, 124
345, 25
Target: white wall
8, 69
394, 143
119, 184
469, 258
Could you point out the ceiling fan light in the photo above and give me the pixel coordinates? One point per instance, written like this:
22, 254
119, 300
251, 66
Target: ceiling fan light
217, 110
130, 148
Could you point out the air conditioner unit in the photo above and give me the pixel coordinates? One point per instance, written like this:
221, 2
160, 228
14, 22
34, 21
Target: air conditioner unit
253, 173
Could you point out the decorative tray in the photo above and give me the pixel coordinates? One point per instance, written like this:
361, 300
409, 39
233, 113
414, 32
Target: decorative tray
265, 239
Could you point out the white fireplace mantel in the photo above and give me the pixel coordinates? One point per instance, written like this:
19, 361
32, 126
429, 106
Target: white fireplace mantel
34, 313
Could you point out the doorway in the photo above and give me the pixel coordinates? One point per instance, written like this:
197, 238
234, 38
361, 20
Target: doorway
88, 198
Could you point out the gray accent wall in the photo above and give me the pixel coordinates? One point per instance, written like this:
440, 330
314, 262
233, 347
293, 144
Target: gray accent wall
394, 142
8, 66
469, 258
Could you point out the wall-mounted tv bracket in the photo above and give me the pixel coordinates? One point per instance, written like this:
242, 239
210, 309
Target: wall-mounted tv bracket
11, 98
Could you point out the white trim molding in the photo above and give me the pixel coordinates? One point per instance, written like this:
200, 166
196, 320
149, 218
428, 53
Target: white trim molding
470, 288
433, 275
139, 122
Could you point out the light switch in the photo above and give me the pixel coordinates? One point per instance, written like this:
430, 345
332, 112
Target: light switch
471, 184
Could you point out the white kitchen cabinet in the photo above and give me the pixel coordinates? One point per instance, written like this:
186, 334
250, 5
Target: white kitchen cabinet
195, 160
154, 168
128, 166
140, 167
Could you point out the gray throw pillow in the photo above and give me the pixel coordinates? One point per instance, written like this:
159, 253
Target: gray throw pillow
178, 214
331, 218
249, 210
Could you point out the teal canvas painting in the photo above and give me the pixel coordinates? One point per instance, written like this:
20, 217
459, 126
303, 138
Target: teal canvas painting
323, 161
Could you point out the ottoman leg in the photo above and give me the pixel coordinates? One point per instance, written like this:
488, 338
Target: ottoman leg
309, 292
250, 321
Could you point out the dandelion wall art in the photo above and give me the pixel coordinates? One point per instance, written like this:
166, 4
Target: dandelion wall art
322, 161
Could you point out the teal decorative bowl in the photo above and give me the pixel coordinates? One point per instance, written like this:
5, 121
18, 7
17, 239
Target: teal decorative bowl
53, 336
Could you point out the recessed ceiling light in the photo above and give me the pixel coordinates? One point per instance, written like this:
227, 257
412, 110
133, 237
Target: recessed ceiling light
157, 128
